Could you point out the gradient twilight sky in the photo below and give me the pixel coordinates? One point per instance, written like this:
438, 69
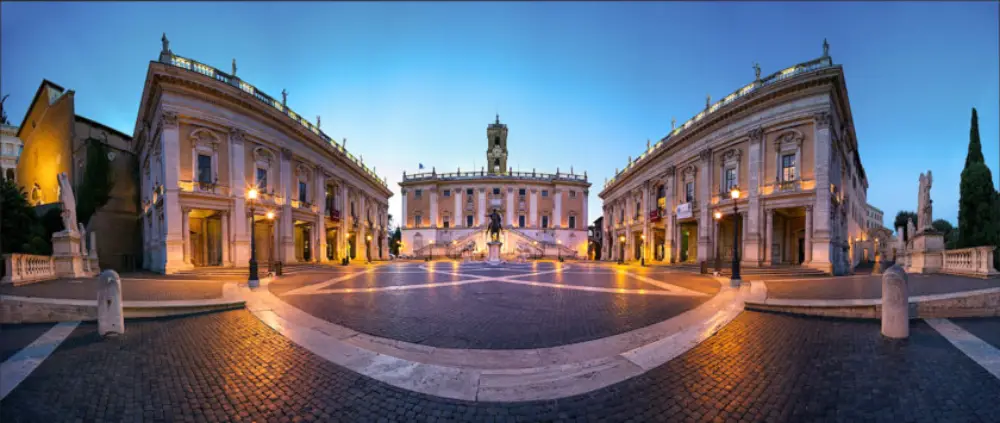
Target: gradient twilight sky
578, 84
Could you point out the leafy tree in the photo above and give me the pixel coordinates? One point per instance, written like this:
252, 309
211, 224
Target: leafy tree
978, 222
19, 225
3, 114
397, 235
98, 179
901, 218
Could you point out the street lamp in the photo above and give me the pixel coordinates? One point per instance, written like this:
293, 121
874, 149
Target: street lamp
559, 248
270, 251
621, 243
454, 247
642, 251
368, 248
253, 281
432, 250
734, 281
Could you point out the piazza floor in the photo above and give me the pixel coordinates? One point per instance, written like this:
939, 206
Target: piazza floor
232, 366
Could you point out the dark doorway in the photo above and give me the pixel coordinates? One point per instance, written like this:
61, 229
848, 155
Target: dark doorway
802, 250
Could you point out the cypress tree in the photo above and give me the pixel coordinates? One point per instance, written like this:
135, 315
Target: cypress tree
977, 203
975, 154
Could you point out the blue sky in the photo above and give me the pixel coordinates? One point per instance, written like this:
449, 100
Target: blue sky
579, 84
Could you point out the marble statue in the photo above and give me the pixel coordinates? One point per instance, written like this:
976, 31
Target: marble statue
317, 122
234, 67
166, 43
284, 98
68, 203
826, 48
756, 71
673, 123
911, 231
924, 208
708, 101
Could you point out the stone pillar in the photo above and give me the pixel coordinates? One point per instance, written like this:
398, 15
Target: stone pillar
668, 224
170, 150
533, 207
768, 236
808, 241
755, 159
186, 234
644, 215
557, 215
822, 234
110, 314
481, 212
704, 196
895, 304
459, 215
240, 253
584, 213
344, 228
319, 251
435, 223
286, 230
227, 259
406, 212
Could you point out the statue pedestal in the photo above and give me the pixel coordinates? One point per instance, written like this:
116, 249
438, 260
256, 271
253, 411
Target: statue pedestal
927, 254
493, 255
69, 260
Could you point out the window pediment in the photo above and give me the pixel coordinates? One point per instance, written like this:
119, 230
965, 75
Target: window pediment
789, 139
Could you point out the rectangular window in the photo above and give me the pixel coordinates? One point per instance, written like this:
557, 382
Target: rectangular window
545, 193
730, 179
520, 221
446, 223
261, 179
417, 193
572, 222
468, 192
468, 221
521, 192
788, 167
446, 193
572, 194
302, 191
689, 192
204, 169
545, 222
496, 191
418, 220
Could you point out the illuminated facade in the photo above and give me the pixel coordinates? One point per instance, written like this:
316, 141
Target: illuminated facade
786, 141
205, 138
11, 151
544, 214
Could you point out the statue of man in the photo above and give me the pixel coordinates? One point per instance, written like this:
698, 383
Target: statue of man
826, 48
68, 202
928, 209
756, 71
234, 66
166, 43
284, 98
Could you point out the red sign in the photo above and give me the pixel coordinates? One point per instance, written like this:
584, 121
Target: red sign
654, 215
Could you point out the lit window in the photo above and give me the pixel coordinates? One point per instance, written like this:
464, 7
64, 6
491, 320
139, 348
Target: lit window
730, 179
261, 179
447, 222
204, 169
302, 191
788, 167
689, 192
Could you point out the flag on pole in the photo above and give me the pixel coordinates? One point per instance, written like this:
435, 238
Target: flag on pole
421, 166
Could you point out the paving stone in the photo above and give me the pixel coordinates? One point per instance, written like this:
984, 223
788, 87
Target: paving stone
864, 287
761, 367
13, 338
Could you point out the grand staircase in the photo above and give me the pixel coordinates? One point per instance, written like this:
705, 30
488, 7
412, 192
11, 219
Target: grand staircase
236, 273
777, 270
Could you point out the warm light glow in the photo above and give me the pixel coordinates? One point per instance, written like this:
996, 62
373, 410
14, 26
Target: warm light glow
252, 194
718, 215
735, 193
643, 237
455, 242
431, 242
621, 238
369, 237
558, 241
270, 215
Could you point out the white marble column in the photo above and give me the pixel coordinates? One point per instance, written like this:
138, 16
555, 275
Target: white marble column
533, 207
172, 220
751, 242
186, 233
406, 212
319, 251
584, 212
481, 212
704, 198
557, 215
644, 216
435, 223
808, 237
511, 219
239, 227
344, 228
458, 218
227, 258
822, 234
285, 231
768, 236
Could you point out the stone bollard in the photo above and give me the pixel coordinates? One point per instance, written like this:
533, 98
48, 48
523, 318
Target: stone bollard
895, 303
110, 317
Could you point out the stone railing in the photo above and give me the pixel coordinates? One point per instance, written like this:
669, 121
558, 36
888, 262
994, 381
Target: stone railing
203, 187
24, 268
975, 261
801, 68
280, 106
456, 176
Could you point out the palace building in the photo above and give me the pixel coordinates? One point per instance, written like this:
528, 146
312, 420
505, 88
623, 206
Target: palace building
786, 142
205, 138
543, 214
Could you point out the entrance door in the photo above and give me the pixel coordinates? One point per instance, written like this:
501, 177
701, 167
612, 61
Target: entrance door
802, 250
684, 245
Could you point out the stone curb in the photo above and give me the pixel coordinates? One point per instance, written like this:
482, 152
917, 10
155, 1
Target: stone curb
976, 303
500, 375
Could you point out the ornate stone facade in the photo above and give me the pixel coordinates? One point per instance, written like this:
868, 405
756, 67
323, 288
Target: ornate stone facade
786, 142
205, 138
543, 213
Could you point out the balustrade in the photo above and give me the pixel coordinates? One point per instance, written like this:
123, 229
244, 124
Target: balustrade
976, 261
23, 268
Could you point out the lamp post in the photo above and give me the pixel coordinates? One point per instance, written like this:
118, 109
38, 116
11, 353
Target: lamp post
432, 250
642, 251
252, 281
270, 235
368, 248
734, 281
559, 248
621, 244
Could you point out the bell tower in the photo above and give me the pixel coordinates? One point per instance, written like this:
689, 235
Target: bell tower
496, 148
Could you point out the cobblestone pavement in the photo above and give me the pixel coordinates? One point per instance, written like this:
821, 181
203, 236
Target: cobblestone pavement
855, 287
15, 337
761, 367
495, 313
987, 329
161, 289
